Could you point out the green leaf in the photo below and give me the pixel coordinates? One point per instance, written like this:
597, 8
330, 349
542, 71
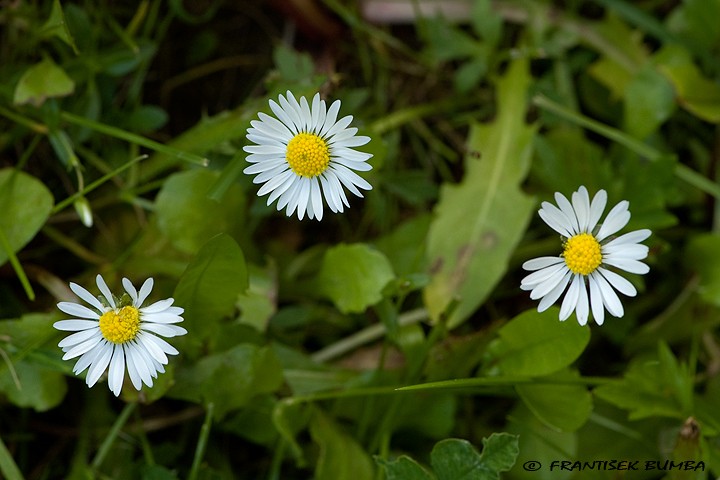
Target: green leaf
702, 254
211, 284
341, 457
258, 303
7, 465
29, 376
229, 379
649, 101
455, 459
479, 222
651, 387
57, 27
189, 218
403, 468
562, 407
293, 66
535, 343
353, 276
25, 205
696, 22
41, 81
697, 94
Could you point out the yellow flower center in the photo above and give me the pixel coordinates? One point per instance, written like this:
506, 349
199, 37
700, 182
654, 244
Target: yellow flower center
582, 254
120, 326
308, 155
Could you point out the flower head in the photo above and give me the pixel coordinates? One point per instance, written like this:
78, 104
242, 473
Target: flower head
119, 334
590, 250
304, 154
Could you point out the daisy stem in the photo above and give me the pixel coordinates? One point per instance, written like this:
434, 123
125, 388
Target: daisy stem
112, 435
202, 442
683, 172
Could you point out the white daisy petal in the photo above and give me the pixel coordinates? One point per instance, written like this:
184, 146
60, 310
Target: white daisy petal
120, 339
616, 219
555, 219
630, 266
116, 370
619, 283
629, 238
597, 207
541, 262
610, 298
86, 360
582, 310
570, 301
79, 337
99, 363
130, 289
131, 367
75, 325
87, 296
287, 175
567, 209
157, 307
541, 276
585, 257
555, 293
596, 301
77, 310
581, 205
543, 288
100, 281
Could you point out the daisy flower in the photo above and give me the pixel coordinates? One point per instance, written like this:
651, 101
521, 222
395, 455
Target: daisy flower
305, 154
589, 251
119, 334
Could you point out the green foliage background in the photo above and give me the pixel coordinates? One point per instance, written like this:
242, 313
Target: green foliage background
391, 341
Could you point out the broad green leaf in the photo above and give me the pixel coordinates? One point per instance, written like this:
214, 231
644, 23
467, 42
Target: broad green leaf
229, 379
57, 27
561, 407
702, 254
157, 472
455, 459
646, 390
41, 81
353, 276
696, 22
696, 93
538, 442
341, 457
293, 65
211, 284
649, 101
403, 468
535, 343
556, 162
479, 222
25, 205
32, 385
253, 422
624, 53
447, 42
404, 246
258, 304
189, 218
